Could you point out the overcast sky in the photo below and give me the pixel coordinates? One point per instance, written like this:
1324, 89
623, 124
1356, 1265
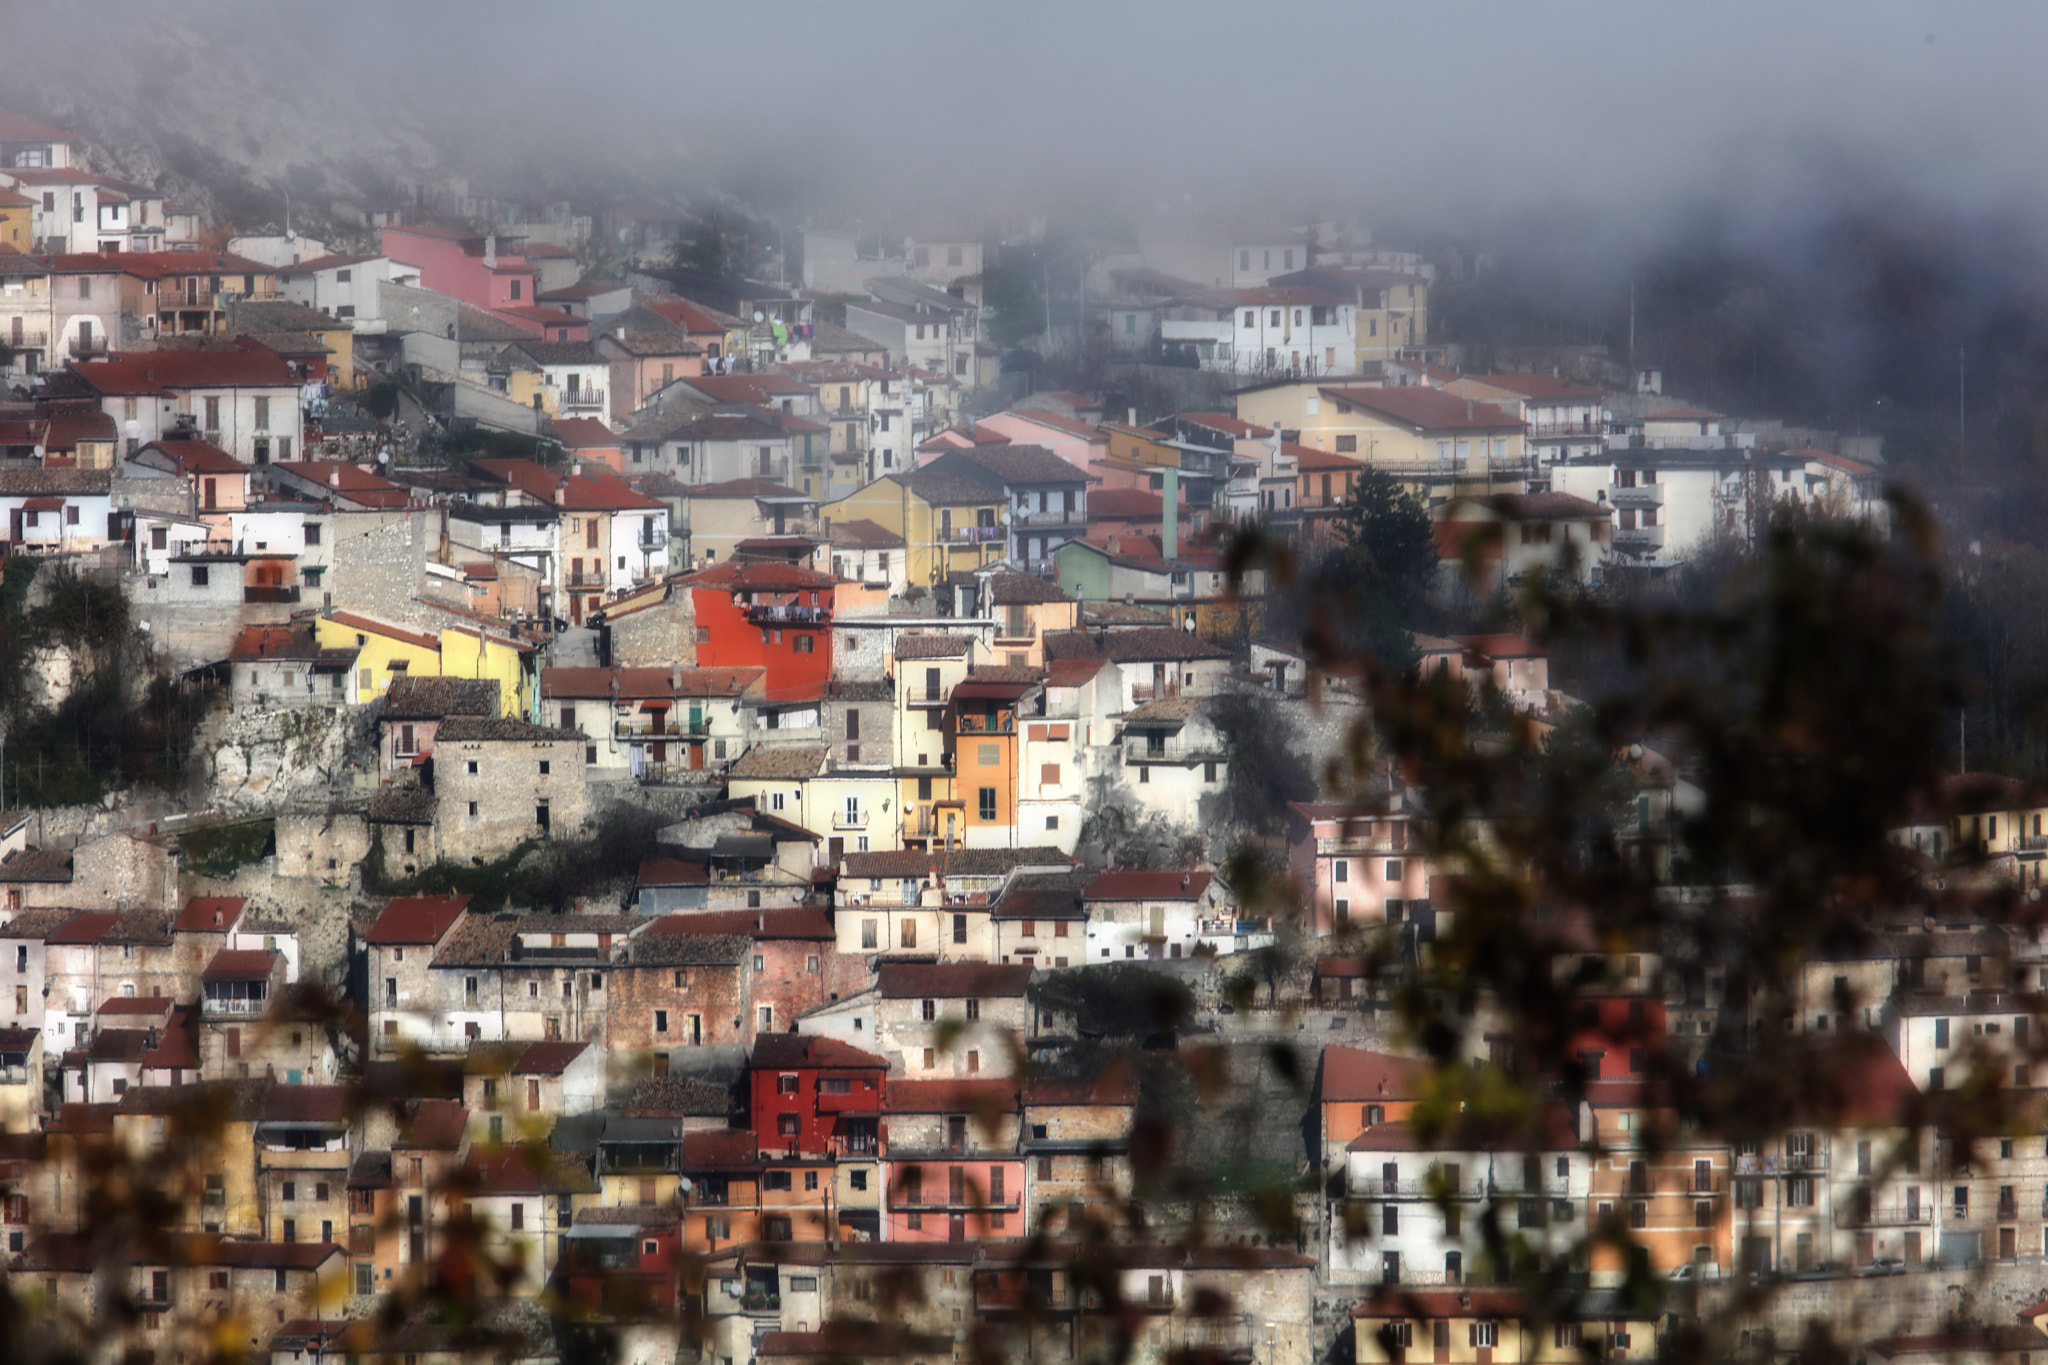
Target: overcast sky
1430, 110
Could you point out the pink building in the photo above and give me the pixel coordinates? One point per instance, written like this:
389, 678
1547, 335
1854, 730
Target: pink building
951, 1165
468, 266
1078, 443
1355, 866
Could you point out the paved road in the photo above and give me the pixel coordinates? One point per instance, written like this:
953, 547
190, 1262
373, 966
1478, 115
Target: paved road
575, 648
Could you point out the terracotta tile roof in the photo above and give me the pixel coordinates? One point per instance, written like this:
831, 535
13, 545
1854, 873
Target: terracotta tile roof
412, 920
785, 922
492, 729
1117, 1089
990, 1097
914, 980
1007, 589
1125, 504
929, 645
433, 1125
759, 577
657, 947
1353, 1073
1538, 387
158, 372
685, 1095
240, 964
949, 490
958, 862
385, 629
1148, 886
1142, 644
1164, 711
296, 642
1308, 459
35, 924
1014, 464
748, 488
198, 457
719, 1150
526, 1169
673, 872
583, 433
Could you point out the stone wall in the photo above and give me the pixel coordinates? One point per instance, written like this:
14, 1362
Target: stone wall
261, 757
380, 566
656, 636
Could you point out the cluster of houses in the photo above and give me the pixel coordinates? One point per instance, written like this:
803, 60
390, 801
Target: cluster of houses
889, 652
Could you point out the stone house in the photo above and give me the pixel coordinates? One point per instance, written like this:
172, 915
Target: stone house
1154, 914
1075, 1139
395, 1205
934, 1020
413, 710
950, 1164
525, 978
400, 947
302, 1142
500, 781
793, 958
285, 665
517, 1091
676, 987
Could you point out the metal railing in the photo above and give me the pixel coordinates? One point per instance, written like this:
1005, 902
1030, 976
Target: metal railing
1002, 723
1576, 426
667, 729
843, 819
1054, 517
787, 614
1153, 691
270, 593
221, 1004
968, 535
1172, 749
1642, 495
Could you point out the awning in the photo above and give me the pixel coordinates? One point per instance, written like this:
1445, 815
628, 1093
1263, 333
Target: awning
607, 1230
991, 691
43, 505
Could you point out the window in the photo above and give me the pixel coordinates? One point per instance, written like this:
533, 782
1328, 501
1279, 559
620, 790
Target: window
1485, 1334
198, 575
987, 803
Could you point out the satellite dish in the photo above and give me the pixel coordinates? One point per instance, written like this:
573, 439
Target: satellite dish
760, 316
290, 236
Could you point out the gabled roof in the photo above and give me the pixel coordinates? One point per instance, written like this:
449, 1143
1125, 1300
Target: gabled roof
798, 761
240, 964
1013, 464
353, 482
582, 433
863, 534
930, 645
1354, 1073
1014, 589
410, 920
197, 457
993, 1096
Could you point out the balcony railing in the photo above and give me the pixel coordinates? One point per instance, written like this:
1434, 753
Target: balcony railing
1172, 749
650, 728
269, 593
1884, 1215
845, 819
967, 535
1577, 426
1642, 495
583, 398
25, 341
220, 1004
1002, 723
1057, 516
587, 580
1154, 691
1012, 631
80, 346
783, 613
1639, 538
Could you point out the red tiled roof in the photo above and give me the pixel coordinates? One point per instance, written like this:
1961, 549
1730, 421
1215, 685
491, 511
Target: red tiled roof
138, 1004
1538, 387
436, 1125
758, 577
1502, 646
200, 457
1125, 504
719, 1148
1308, 458
951, 1096
1225, 423
1353, 1073
790, 922
351, 481
548, 1059
1147, 886
156, 372
239, 964
388, 631
416, 919
673, 872
88, 926
583, 433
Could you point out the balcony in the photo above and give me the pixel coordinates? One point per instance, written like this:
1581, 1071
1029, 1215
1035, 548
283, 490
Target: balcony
1884, 1215
850, 819
926, 699
269, 593
653, 727
587, 581
1054, 517
1576, 426
80, 346
576, 399
1001, 723
1157, 749
25, 341
787, 614
2033, 843
1018, 632
1640, 538
1154, 691
241, 1005
774, 470
977, 535
1642, 495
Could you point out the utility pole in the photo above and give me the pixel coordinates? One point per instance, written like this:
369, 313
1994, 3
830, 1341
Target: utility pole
1962, 399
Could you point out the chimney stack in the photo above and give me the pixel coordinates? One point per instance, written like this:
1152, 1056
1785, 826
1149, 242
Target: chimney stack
1132, 414
491, 251
334, 475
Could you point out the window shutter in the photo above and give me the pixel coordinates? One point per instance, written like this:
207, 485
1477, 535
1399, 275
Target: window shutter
1471, 1334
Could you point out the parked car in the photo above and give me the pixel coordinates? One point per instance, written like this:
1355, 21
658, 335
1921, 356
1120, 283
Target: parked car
1882, 1265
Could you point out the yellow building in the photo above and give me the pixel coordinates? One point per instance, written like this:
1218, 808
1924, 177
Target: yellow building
928, 666
15, 210
386, 652
1435, 442
1470, 1325
948, 524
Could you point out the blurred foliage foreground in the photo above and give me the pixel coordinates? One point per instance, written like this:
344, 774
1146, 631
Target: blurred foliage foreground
1805, 694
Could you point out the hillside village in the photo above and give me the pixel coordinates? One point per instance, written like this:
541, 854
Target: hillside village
890, 700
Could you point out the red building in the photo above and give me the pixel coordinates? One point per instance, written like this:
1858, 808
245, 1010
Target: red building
814, 1096
1615, 1037
772, 616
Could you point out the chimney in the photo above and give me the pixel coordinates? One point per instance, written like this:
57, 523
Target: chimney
334, 475
675, 677
561, 495
1132, 414
1169, 515
491, 251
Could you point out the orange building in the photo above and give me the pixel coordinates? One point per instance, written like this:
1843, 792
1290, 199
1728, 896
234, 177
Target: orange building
1359, 1089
